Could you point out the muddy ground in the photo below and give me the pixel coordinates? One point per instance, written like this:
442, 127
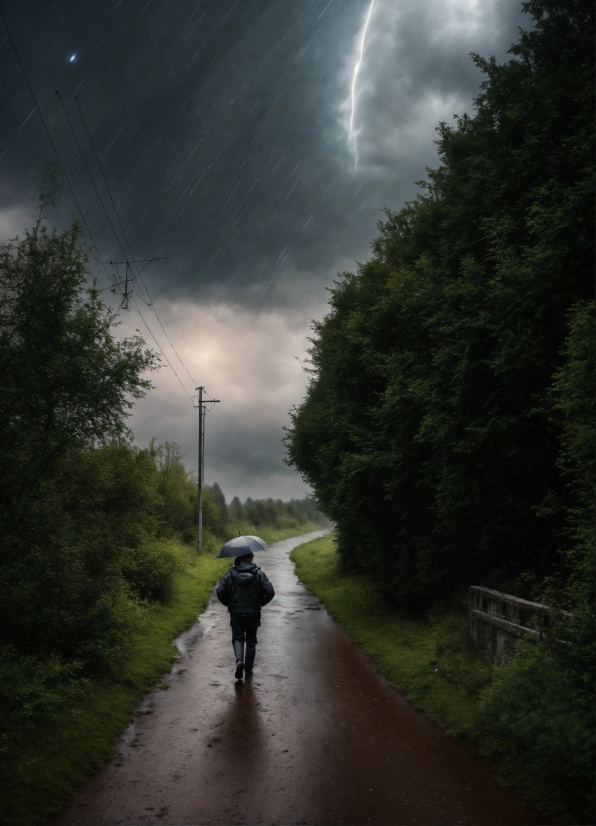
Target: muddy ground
315, 736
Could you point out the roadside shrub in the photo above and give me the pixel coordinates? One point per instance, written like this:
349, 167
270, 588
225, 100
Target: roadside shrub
150, 569
542, 728
31, 688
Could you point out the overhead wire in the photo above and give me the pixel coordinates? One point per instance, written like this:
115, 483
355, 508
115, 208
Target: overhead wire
160, 350
124, 253
102, 173
98, 195
89, 172
45, 126
150, 302
152, 307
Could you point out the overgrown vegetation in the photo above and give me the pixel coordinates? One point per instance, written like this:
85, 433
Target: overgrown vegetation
98, 535
468, 340
453, 339
47, 763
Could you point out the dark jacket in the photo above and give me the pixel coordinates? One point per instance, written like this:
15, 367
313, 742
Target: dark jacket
244, 589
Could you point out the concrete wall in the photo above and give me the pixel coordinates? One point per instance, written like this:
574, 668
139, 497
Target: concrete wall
497, 621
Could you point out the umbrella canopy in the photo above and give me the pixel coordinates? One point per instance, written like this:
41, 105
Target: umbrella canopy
241, 545
258, 539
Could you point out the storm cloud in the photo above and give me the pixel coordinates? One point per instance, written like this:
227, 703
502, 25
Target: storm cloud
223, 131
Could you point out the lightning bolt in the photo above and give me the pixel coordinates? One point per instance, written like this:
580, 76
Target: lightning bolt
352, 134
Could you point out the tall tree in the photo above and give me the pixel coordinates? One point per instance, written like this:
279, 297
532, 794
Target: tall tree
66, 387
428, 430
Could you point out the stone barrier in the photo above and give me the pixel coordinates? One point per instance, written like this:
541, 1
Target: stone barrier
497, 621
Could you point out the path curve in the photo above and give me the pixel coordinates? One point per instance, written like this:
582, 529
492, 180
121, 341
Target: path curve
315, 736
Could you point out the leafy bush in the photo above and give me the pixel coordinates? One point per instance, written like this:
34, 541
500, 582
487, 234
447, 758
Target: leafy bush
31, 688
150, 568
542, 726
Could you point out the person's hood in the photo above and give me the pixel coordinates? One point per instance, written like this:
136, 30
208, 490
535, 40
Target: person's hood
244, 573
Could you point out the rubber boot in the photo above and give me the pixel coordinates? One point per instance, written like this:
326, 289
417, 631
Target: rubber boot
239, 652
250, 658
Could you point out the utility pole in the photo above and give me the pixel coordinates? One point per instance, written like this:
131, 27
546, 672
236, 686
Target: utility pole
129, 278
201, 468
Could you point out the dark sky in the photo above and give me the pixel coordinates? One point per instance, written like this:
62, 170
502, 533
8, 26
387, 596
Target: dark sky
223, 129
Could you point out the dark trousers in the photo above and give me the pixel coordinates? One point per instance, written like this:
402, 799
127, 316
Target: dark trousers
244, 629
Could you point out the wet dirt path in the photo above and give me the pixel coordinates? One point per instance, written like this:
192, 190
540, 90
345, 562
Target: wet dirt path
315, 736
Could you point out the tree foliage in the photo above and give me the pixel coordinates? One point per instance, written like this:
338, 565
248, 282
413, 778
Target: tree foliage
67, 381
69, 480
87, 518
429, 430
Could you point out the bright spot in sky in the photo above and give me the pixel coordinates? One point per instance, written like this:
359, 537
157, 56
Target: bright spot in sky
72, 58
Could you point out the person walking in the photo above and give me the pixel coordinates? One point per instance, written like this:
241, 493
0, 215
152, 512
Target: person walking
244, 590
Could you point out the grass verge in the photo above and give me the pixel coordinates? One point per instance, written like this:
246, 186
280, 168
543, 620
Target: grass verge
51, 762
431, 661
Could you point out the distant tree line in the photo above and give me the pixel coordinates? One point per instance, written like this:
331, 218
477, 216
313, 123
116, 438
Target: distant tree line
274, 513
221, 521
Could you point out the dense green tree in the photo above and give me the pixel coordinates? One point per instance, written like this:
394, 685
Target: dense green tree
428, 430
65, 379
235, 508
67, 385
219, 500
178, 491
541, 704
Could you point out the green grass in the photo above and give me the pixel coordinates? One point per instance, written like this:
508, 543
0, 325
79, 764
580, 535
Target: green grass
49, 763
544, 754
432, 662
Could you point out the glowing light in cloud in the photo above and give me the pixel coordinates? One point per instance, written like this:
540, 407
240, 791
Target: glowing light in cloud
352, 133
247, 360
72, 58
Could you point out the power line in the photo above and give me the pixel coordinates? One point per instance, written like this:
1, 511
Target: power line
149, 303
105, 180
86, 225
50, 138
126, 294
124, 253
89, 172
160, 350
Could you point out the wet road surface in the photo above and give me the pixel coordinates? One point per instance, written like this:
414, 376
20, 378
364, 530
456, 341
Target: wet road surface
315, 736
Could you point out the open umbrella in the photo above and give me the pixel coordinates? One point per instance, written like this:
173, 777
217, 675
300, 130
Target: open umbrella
241, 545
